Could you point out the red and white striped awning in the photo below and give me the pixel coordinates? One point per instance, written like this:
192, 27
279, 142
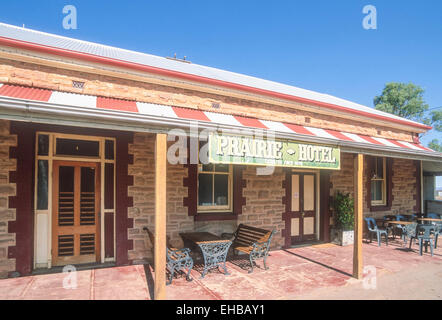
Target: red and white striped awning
88, 101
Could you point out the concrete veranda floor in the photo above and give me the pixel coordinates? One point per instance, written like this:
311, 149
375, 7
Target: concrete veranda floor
315, 272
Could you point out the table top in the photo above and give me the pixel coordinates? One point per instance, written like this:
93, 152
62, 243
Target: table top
429, 219
400, 222
197, 237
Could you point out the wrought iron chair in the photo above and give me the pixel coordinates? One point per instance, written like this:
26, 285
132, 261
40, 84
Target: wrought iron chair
252, 241
215, 255
177, 259
425, 234
373, 228
409, 232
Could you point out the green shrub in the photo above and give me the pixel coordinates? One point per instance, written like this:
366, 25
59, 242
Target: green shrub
343, 206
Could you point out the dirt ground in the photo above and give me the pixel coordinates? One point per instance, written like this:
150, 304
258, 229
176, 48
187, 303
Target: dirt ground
417, 283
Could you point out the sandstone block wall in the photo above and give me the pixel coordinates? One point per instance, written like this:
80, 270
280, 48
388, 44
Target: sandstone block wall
7, 189
21, 73
403, 192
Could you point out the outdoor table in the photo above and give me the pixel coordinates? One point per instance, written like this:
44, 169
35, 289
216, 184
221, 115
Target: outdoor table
399, 222
429, 219
213, 248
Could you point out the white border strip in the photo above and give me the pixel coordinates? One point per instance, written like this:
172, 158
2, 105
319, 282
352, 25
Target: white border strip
222, 118
385, 142
73, 99
156, 110
355, 137
321, 133
409, 145
276, 126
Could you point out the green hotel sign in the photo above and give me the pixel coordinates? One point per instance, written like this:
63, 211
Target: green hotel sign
254, 151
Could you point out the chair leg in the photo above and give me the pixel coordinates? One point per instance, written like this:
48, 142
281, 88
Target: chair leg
251, 264
188, 277
204, 273
379, 238
386, 239
420, 246
170, 277
431, 246
264, 262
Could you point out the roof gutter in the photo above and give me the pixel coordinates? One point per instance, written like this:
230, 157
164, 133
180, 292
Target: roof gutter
190, 77
43, 112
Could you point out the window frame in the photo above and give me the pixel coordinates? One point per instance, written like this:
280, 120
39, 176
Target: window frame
216, 208
382, 202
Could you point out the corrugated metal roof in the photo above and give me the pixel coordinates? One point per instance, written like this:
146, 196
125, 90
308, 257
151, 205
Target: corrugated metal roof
64, 43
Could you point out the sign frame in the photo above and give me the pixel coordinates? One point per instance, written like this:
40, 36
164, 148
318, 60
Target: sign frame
334, 149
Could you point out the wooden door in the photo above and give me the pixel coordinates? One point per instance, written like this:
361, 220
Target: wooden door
75, 213
301, 217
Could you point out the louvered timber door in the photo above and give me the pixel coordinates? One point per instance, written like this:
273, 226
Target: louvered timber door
76, 217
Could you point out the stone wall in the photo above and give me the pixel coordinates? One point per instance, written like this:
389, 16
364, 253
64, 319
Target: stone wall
404, 187
27, 74
143, 193
403, 191
264, 206
342, 180
7, 189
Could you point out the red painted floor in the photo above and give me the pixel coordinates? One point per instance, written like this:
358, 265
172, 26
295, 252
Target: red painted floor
292, 273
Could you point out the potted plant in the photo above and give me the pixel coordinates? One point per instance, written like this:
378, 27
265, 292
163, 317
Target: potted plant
343, 231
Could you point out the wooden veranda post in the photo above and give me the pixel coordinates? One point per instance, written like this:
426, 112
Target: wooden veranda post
358, 191
160, 216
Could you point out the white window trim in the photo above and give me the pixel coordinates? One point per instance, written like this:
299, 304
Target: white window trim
382, 202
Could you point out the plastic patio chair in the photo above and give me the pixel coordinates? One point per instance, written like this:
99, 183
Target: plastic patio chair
373, 228
425, 234
433, 215
437, 224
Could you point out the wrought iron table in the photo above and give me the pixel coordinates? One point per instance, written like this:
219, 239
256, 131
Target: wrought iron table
213, 248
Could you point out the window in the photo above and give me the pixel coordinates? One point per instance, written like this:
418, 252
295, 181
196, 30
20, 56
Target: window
378, 182
214, 187
74, 147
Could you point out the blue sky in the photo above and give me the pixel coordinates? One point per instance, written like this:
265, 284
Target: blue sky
318, 44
